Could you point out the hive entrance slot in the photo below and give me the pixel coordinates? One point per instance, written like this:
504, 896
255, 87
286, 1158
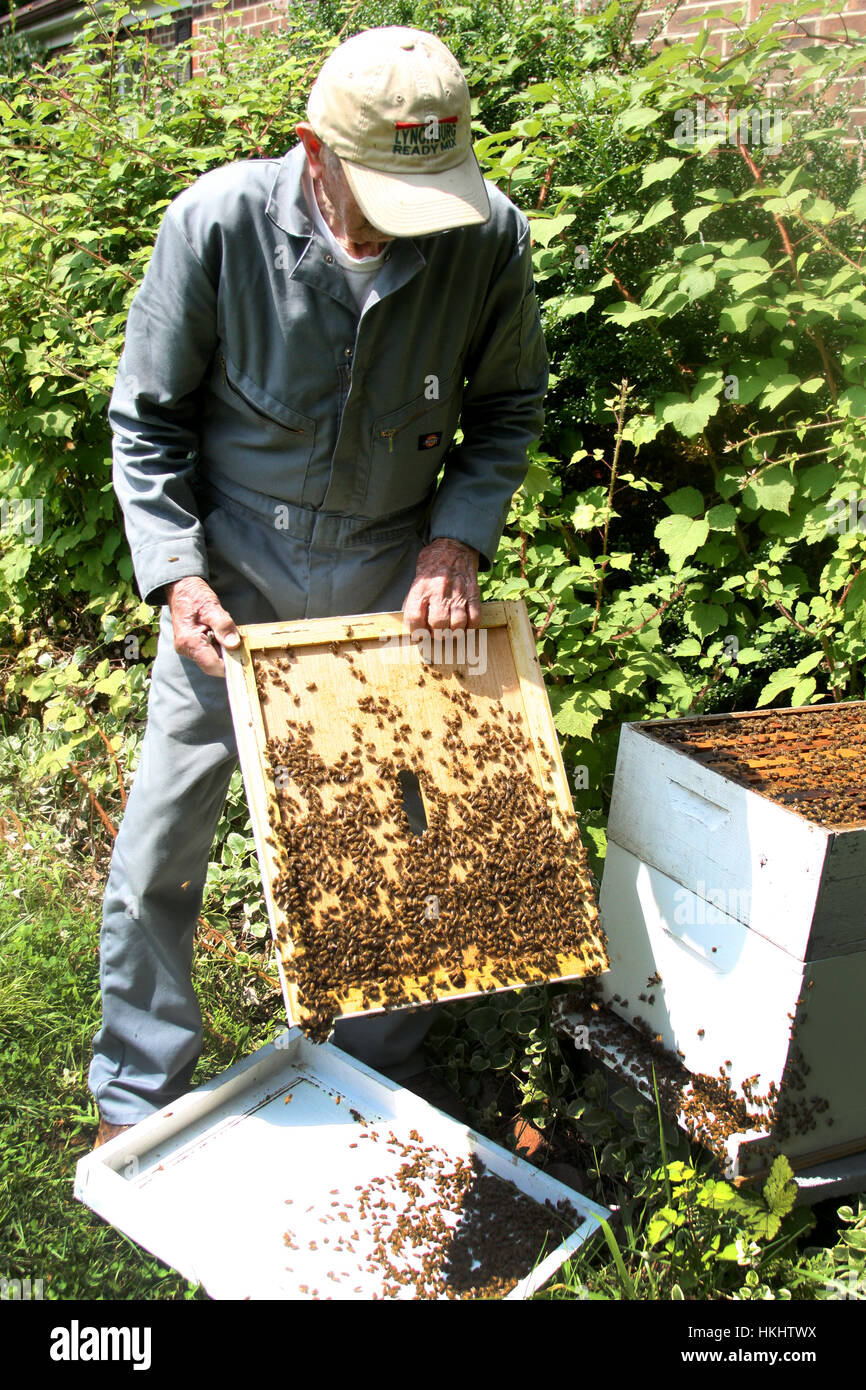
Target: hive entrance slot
413, 803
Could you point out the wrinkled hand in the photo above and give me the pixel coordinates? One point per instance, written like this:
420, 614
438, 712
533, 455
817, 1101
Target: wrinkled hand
200, 622
444, 593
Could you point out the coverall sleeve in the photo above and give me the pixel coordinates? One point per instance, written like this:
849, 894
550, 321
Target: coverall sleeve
507, 374
170, 340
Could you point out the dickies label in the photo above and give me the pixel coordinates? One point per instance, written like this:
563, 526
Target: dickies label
430, 441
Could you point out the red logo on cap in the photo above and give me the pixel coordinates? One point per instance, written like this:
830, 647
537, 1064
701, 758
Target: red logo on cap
425, 137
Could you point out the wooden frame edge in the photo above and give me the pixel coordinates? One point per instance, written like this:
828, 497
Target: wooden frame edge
250, 732
306, 632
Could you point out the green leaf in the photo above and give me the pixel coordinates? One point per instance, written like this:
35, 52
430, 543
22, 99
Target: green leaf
696, 282
686, 501
695, 216
809, 662
112, 684
778, 389
705, 618
573, 718
39, 689
637, 118
816, 481
716, 194
748, 388
626, 312
735, 318
721, 517
626, 1099
661, 1224
688, 417
544, 229
779, 681
857, 203
661, 169
801, 692
659, 212
680, 537
576, 304
771, 491
853, 401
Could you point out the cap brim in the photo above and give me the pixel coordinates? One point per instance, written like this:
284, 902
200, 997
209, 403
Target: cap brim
416, 204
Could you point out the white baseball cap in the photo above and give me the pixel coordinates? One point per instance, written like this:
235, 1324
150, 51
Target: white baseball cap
393, 104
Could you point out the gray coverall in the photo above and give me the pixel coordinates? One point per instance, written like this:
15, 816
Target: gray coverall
269, 439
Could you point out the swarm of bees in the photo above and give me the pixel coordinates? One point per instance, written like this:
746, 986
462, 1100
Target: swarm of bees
354, 881
712, 1107
811, 761
412, 1242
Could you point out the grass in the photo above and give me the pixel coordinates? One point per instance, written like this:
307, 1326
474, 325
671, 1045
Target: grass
49, 1011
50, 899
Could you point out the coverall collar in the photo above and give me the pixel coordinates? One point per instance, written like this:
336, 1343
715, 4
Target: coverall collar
287, 207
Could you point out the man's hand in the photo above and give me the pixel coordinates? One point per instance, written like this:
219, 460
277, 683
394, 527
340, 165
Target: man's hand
200, 621
445, 590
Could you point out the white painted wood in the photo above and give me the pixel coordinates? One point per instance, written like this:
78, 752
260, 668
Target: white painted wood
717, 976
204, 1183
742, 991
797, 884
748, 1156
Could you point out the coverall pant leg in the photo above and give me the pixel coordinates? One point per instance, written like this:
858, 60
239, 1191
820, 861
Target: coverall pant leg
146, 1051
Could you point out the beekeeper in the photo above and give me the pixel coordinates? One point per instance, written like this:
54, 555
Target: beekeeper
309, 334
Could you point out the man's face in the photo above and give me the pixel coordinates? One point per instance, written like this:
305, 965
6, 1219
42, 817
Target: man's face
335, 188
336, 199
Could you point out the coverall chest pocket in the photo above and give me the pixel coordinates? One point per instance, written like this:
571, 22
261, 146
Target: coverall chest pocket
408, 445
269, 420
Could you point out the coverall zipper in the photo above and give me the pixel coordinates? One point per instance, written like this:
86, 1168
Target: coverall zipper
389, 434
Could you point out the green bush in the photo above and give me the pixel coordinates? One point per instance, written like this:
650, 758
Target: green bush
689, 536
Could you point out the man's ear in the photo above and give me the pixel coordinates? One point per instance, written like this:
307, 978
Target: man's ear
313, 146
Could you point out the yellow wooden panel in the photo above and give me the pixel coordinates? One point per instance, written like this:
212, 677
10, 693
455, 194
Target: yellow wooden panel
368, 912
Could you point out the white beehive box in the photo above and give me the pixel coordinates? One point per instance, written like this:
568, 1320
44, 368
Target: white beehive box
797, 883
737, 940
240, 1184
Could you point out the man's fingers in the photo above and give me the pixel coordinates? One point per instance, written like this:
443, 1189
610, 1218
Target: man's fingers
415, 608
431, 607
201, 627
198, 646
209, 659
221, 625
439, 610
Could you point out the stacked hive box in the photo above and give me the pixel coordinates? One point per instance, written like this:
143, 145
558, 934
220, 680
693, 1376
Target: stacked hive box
737, 920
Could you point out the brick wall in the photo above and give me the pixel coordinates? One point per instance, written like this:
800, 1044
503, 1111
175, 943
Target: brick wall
682, 20
54, 21
675, 20
253, 16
